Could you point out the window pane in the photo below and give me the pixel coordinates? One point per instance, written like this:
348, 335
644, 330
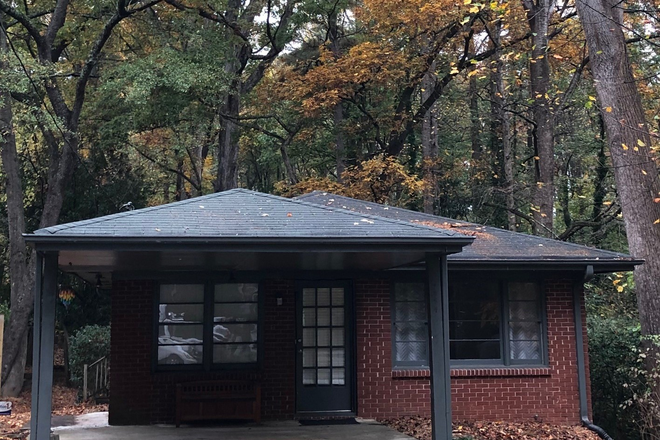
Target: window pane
411, 351
474, 330
411, 311
181, 313
410, 332
523, 311
323, 316
338, 376
323, 337
337, 337
309, 317
309, 337
525, 350
524, 291
180, 334
179, 354
337, 296
524, 331
235, 353
309, 357
236, 312
485, 310
323, 357
475, 350
235, 333
323, 297
309, 297
323, 376
409, 292
309, 377
181, 293
236, 292
338, 357
338, 317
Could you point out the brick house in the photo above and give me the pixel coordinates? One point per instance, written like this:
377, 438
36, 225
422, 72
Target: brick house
337, 307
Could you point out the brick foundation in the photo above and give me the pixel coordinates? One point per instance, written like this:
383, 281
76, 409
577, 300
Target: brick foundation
140, 396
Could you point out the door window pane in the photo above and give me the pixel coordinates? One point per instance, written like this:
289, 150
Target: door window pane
323, 376
323, 358
309, 357
309, 317
323, 297
337, 296
323, 317
309, 377
338, 376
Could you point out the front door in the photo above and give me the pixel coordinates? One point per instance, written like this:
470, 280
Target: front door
324, 359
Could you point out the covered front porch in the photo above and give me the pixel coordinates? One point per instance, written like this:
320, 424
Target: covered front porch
284, 430
274, 259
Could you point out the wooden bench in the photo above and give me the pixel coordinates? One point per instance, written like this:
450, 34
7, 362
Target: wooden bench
215, 400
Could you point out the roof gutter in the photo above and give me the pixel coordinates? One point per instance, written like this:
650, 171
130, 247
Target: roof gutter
579, 342
446, 245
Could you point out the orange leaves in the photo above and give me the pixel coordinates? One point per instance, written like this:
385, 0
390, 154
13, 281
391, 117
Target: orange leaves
333, 79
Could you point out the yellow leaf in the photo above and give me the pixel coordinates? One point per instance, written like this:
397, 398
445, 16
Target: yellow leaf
608, 109
656, 222
644, 172
619, 289
641, 143
624, 146
453, 71
471, 73
592, 98
467, 2
474, 9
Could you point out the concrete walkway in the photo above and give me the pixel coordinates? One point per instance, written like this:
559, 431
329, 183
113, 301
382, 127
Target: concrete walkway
92, 427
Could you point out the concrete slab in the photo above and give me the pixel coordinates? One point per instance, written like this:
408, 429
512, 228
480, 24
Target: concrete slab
289, 430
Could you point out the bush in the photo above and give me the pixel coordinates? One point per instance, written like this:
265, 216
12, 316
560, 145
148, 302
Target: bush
88, 345
613, 355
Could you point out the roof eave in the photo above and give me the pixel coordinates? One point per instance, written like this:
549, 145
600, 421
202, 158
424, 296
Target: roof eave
445, 245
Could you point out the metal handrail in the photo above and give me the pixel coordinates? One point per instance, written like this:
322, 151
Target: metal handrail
99, 373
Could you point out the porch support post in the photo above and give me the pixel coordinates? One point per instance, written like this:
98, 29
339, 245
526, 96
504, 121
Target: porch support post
45, 297
438, 310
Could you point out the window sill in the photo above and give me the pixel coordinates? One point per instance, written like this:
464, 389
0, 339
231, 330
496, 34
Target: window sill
475, 372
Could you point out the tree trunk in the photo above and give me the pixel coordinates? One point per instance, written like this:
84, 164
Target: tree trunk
538, 18
635, 171
20, 266
338, 112
429, 143
227, 177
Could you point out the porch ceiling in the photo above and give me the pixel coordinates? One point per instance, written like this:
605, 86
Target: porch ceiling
89, 263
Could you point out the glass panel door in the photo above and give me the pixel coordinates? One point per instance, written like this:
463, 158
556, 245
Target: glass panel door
324, 349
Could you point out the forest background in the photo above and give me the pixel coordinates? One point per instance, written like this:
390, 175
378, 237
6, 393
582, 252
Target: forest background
535, 116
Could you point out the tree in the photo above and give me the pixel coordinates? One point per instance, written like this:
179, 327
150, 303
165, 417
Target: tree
630, 147
50, 45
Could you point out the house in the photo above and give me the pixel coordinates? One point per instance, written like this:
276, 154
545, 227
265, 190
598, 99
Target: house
335, 306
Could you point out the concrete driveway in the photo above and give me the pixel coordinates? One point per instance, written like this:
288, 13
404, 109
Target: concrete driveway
289, 430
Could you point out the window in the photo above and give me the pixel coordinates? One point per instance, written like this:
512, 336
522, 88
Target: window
208, 324
490, 323
410, 325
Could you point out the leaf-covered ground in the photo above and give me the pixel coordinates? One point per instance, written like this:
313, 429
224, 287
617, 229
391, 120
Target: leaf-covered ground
64, 403
420, 428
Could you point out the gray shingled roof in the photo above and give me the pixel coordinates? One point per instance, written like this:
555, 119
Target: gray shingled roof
243, 213
490, 244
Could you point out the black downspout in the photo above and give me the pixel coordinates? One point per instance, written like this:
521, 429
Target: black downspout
579, 341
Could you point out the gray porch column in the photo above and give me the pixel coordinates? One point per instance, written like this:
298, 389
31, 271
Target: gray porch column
438, 307
45, 297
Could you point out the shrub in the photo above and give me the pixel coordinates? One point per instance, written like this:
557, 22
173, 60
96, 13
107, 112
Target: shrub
88, 345
613, 353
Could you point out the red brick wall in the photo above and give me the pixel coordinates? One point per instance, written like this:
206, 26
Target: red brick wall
139, 397
547, 394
